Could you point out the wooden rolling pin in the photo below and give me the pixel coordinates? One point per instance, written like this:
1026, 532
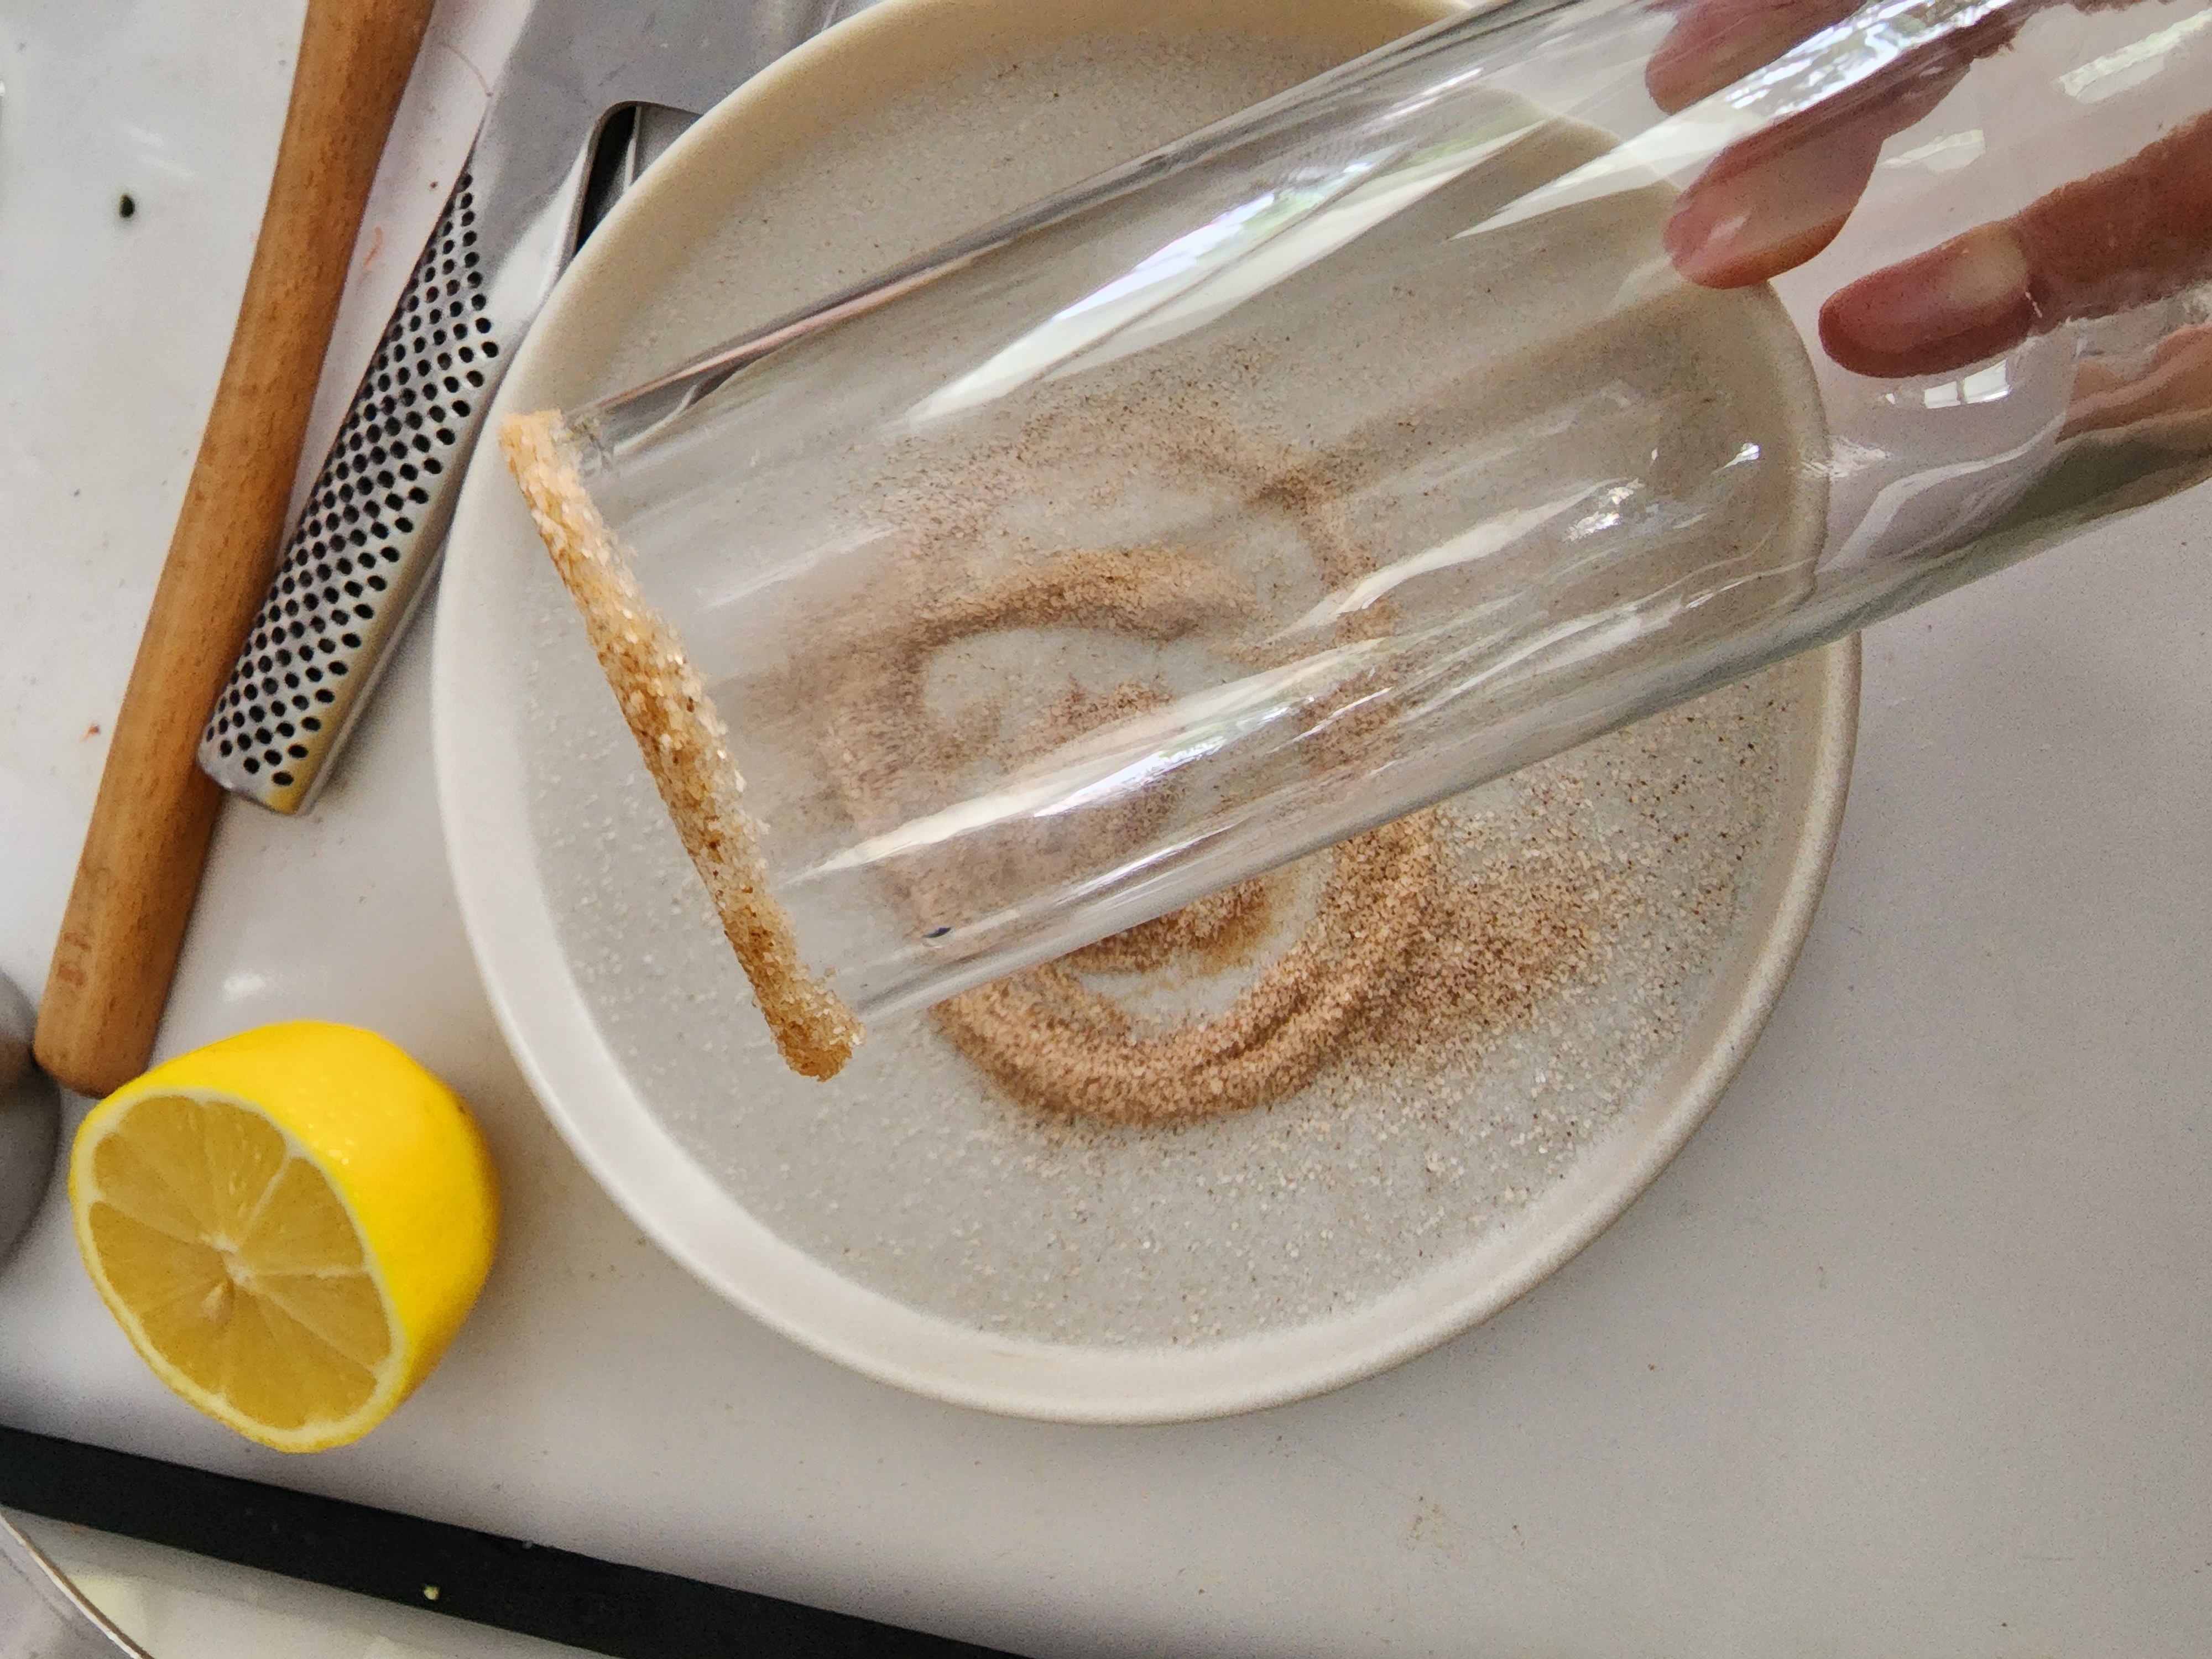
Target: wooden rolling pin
142, 855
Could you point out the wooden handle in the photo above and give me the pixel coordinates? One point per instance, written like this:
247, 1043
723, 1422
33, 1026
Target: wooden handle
141, 865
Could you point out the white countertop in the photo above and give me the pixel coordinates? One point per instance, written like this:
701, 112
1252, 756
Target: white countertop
1909, 1352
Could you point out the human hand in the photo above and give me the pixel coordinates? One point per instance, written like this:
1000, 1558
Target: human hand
2133, 234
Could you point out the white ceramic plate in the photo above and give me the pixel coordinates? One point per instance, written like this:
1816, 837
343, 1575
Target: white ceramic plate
904, 1219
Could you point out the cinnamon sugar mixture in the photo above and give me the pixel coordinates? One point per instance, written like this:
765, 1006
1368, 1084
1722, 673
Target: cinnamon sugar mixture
685, 745
1406, 948
1402, 939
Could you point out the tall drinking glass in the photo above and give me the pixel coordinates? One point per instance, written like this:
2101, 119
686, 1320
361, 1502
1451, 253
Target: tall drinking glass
1531, 375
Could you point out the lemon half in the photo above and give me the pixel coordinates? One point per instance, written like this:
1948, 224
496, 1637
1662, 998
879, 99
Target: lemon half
289, 1226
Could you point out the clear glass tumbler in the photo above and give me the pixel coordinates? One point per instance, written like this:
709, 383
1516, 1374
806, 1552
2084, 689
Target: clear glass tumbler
1543, 369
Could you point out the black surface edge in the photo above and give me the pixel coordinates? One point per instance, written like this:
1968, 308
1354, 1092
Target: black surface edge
630, 1612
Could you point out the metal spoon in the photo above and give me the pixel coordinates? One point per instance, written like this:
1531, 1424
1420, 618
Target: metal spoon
30, 1120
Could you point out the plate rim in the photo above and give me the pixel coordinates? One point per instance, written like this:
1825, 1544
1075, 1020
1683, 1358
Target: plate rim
666, 1195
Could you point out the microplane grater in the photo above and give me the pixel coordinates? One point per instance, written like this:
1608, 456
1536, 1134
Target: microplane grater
358, 561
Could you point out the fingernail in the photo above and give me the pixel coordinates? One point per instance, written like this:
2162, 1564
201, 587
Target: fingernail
1983, 272
1700, 242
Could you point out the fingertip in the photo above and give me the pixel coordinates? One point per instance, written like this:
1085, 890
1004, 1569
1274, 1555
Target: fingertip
1969, 299
1732, 250
1752, 215
1715, 43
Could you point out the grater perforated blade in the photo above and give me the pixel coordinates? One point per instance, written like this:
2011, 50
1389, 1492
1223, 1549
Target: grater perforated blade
358, 561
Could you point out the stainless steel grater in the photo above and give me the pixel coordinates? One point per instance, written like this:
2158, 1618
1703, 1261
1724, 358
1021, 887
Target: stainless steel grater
370, 532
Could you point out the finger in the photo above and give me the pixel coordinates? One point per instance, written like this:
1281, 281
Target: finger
1754, 215
1969, 299
2130, 234
2122, 238
1716, 43
1770, 204
2171, 399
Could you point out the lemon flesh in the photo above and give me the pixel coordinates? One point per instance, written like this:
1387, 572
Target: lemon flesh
289, 1226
